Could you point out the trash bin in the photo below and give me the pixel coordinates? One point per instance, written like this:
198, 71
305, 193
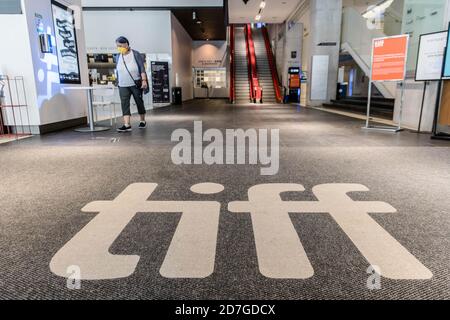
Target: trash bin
342, 90
177, 96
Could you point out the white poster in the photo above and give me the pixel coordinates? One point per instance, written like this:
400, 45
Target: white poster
431, 56
319, 77
66, 44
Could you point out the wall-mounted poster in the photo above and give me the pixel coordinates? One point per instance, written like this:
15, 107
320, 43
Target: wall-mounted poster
160, 82
446, 74
66, 44
431, 56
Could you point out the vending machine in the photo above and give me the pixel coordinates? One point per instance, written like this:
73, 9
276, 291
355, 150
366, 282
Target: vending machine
294, 85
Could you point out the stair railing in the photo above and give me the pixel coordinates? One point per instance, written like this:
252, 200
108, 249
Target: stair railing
272, 65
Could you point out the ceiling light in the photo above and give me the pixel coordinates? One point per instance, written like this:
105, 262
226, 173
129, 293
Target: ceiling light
194, 15
262, 5
258, 17
374, 11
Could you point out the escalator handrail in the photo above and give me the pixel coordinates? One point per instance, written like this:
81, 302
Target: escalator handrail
272, 65
232, 65
253, 74
249, 63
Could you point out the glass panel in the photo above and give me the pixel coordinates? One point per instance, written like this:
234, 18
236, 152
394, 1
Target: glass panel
420, 17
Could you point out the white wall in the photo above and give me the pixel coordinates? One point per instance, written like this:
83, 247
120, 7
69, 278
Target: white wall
54, 105
412, 104
331, 12
148, 31
212, 54
182, 59
46, 103
414, 90
293, 42
17, 61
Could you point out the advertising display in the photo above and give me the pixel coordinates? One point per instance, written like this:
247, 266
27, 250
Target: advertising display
389, 58
446, 73
160, 82
66, 44
431, 56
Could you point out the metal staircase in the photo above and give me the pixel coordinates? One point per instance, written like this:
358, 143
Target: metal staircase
242, 86
263, 67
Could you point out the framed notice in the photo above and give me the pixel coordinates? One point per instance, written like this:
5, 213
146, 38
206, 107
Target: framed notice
389, 58
446, 72
430, 56
160, 82
66, 44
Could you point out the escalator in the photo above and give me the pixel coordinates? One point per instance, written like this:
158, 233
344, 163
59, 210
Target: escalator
266, 68
241, 83
254, 75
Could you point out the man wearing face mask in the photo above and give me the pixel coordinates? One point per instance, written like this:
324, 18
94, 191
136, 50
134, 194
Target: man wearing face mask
132, 80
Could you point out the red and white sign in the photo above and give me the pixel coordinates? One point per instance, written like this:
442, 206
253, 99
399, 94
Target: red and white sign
389, 58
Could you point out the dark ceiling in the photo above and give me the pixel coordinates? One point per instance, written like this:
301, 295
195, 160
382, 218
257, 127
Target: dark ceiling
213, 22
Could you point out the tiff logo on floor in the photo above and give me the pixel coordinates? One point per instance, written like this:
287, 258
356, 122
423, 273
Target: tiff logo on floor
236, 147
279, 251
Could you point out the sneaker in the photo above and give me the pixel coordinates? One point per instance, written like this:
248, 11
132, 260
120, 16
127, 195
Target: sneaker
143, 125
124, 128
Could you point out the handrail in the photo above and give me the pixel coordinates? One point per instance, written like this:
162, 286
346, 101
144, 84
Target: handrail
232, 65
249, 63
272, 65
253, 74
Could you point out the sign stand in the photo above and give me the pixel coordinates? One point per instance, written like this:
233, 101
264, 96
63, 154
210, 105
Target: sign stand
402, 84
425, 84
435, 134
429, 67
383, 128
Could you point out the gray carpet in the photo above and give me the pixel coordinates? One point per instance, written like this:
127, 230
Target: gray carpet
47, 180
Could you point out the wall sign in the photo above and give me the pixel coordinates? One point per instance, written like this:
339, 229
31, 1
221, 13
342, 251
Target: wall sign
160, 82
66, 44
431, 56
